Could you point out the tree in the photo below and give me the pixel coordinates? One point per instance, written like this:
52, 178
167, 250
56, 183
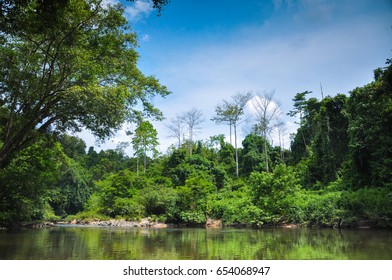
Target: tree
176, 129
308, 110
252, 156
47, 9
192, 119
115, 194
145, 140
231, 113
275, 192
78, 71
73, 147
267, 113
222, 112
370, 132
72, 189
26, 183
299, 109
193, 199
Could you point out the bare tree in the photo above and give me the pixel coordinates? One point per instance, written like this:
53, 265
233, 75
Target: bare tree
176, 129
268, 113
192, 119
231, 112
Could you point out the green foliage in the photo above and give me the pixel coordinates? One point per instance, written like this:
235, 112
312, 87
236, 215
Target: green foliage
180, 167
116, 192
226, 158
72, 189
234, 205
252, 157
324, 209
330, 144
322, 139
145, 140
193, 199
73, 147
274, 192
104, 162
26, 183
371, 205
370, 138
157, 200
48, 214
302, 140
86, 216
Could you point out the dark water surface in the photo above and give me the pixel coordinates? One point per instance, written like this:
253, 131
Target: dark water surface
93, 243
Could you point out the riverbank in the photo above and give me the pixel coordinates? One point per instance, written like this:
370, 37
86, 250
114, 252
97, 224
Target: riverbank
145, 222
210, 223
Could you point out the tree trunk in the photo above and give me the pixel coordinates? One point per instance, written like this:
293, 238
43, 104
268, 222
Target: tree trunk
266, 153
190, 141
145, 164
236, 150
231, 142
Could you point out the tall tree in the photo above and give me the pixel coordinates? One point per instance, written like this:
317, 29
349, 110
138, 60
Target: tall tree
223, 116
308, 111
192, 119
299, 110
231, 113
267, 112
145, 140
68, 65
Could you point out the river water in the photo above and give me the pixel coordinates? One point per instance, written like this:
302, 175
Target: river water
98, 243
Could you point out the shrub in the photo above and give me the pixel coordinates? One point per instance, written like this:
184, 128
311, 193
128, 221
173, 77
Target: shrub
370, 204
274, 193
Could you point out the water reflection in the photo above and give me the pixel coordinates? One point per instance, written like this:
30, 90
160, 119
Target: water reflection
191, 244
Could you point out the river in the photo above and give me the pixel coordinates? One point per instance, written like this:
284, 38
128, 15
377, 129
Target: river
100, 243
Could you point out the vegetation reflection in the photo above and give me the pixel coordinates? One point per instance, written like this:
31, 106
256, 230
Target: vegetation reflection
192, 244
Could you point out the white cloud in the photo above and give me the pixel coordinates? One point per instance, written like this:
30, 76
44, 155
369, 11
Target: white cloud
138, 10
106, 3
145, 38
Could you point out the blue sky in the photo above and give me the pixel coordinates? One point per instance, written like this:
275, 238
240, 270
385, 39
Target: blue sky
206, 51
